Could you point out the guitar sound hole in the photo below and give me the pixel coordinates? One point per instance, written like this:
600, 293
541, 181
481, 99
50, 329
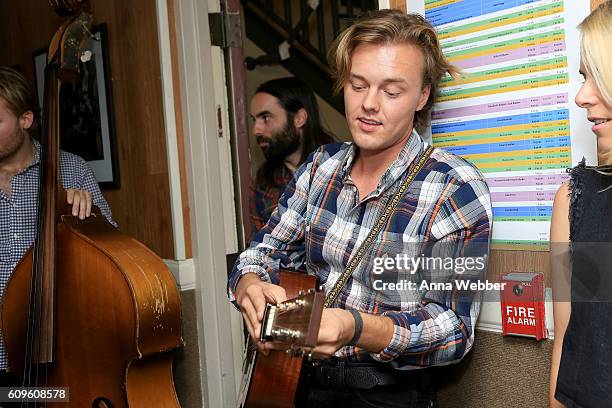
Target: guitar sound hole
102, 402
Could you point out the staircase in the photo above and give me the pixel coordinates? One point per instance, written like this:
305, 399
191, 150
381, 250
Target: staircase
298, 33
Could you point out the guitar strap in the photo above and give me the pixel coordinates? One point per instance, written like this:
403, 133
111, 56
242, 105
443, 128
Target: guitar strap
350, 268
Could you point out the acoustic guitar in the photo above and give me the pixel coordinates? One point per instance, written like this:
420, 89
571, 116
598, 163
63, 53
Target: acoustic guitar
271, 381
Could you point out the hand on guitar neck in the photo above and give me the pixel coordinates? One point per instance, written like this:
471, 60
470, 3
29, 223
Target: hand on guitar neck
299, 327
337, 326
270, 376
252, 294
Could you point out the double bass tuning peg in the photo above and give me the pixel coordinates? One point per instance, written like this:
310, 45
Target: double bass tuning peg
86, 56
87, 31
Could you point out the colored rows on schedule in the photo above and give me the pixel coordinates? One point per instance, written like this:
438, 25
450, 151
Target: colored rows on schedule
506, 45
523, 211
532, 135
479, 124
488, 143
500, 197
555, 22
536, 166
493, 153
528, 159
522, 16
495, 56
525, 165
520, 85
557, 63
525, 181
522, 146
526, 142
524, 245
519, 139
494, 107
447, 11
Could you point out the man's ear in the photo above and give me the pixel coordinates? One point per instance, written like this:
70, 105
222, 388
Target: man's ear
423, 97
26, 120
300, 118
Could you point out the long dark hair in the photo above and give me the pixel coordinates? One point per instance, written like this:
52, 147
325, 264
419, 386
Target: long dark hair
293, 94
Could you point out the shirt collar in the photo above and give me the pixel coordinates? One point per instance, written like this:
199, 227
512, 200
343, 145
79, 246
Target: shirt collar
36, 152
411, 150
36, 160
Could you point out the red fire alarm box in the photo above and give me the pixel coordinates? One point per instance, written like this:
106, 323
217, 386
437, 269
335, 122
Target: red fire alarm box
522, 304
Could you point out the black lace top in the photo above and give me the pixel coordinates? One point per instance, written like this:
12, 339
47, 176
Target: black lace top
585, 372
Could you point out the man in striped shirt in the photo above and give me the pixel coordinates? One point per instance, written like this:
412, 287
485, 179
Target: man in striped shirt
374, 342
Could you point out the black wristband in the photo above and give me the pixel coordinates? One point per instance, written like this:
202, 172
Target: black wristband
358, 327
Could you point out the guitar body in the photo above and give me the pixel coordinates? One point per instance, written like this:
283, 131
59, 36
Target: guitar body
271, 381
117, 320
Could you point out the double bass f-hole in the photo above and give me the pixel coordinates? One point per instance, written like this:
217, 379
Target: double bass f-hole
102, 402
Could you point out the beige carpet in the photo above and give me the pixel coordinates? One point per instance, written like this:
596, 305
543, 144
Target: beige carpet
499, 372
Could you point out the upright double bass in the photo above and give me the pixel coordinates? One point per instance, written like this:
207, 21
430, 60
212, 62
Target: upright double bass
87, 308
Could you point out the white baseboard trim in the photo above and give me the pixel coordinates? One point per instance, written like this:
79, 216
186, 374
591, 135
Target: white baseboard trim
183, 271
490, 317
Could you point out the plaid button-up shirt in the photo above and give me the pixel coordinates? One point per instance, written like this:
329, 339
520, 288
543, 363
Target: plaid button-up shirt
320, 222
264, 198
18, 213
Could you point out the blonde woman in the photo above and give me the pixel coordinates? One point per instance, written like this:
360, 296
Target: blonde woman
581, 372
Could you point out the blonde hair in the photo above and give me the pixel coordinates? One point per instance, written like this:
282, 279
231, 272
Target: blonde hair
18, 95
594, 47
393, 27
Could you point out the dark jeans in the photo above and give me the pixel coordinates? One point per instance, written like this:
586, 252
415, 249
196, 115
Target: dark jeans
9, 380
377, 397
415, 390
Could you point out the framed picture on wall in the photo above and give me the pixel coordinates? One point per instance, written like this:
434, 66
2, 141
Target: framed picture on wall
87, 121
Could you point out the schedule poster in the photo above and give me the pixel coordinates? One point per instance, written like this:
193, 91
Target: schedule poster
512, 113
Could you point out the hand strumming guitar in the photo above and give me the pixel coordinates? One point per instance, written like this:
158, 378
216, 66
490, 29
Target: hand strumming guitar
252, 294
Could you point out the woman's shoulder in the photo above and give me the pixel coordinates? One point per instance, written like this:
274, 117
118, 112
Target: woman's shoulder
577, 175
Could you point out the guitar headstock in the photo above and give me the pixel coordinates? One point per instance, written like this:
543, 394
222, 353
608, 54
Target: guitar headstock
294, 322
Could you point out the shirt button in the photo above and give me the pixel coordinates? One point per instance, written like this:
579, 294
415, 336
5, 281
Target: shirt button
16, 236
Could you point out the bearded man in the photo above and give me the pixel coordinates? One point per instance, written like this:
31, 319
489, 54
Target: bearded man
286, 125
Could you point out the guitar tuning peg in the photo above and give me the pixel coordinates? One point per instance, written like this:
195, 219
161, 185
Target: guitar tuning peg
301, 293
311, 290
295, 352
